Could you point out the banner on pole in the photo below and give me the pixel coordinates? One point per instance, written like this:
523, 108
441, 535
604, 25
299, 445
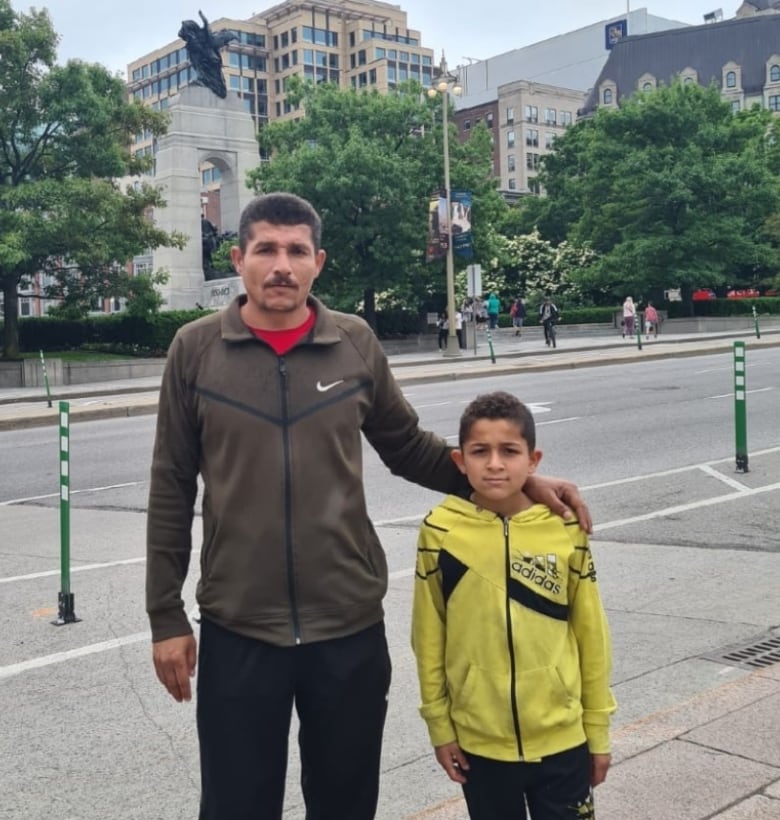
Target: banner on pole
459, 213
437, 227
461, 223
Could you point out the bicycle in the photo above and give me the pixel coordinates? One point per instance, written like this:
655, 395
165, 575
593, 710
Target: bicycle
549, 332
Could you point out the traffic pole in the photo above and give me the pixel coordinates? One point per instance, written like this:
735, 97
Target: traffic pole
490, 344
755, 322
46, 375
740, 408
65, 599
638, 327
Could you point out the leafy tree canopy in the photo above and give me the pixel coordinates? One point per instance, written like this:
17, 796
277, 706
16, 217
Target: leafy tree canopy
368, 163
671, 190
65, 135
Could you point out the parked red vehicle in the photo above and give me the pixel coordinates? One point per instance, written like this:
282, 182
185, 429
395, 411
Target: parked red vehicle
744, 293
703, 295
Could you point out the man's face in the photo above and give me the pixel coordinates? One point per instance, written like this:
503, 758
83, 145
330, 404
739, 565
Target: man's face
278, 268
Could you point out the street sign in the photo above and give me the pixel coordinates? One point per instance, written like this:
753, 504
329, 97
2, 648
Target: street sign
474, 285
673, 295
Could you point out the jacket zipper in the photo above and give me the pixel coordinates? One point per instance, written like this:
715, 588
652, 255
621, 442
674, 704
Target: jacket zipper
511, 644
288, 545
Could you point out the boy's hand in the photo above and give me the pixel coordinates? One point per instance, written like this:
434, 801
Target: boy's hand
559, 494
599, 765
451, 758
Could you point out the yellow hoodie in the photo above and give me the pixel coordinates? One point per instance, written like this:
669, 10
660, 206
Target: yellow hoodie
511, 640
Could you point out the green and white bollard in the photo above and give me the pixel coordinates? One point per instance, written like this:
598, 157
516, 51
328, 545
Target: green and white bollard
45, 377
65, 600
755, 322
740, 406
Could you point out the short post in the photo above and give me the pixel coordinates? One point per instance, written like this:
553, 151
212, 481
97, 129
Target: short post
740, 409
46, 376
490, 344
65, 599
755, 322
638, 328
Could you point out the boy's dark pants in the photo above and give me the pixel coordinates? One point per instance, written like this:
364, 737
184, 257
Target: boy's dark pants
246, 690
557, 788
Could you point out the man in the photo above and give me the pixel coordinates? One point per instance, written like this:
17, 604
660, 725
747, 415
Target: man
267, 400
548, 315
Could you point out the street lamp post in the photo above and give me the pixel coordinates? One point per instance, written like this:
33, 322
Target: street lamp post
443, 87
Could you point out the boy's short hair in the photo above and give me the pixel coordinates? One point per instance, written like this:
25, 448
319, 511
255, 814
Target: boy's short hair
279, 209
498, 405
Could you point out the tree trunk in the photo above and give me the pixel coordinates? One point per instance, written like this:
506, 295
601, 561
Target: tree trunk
369, 307
10, 320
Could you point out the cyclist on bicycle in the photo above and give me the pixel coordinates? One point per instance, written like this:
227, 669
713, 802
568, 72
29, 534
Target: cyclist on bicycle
548, 316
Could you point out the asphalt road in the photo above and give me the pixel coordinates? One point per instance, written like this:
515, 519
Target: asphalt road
687, 551
635, 438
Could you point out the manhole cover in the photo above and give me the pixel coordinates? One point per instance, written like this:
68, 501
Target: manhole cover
757, 653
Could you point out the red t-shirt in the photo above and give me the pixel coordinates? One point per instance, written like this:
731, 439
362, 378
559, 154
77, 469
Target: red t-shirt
283, 340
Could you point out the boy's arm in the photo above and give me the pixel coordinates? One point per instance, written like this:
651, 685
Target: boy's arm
429, 639
591, 630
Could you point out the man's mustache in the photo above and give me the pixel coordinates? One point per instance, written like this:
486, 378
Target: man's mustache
280, 283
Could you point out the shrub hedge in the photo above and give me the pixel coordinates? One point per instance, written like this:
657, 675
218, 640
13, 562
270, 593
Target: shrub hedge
151, 335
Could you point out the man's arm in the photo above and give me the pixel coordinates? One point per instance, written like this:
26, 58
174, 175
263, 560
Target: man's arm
172, 492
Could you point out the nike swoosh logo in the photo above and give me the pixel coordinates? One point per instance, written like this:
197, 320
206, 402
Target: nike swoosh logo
323, 388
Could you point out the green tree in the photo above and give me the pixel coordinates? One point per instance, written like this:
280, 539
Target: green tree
672, 190
65, 134
369, 162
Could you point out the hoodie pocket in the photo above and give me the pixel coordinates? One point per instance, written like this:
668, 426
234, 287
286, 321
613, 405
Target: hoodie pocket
483, 703
544, 702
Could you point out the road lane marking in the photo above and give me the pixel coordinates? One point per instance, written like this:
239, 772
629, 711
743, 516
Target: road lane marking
72, 492
731, 395
732, 482
105, 646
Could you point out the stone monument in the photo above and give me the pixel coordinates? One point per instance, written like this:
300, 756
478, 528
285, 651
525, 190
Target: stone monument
208, 124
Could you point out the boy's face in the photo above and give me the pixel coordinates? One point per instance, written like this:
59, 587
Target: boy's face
496, 460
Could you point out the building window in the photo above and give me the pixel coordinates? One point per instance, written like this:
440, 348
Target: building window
647, 87
510, 162
489, 119
532, 161
532, 137
466, 125
510, 116
531, 113
549, 139
774, 74
735, 106
774, 102
550, 116
534, 186
607, 96
731, 79
512, 184
565, 117
510, 139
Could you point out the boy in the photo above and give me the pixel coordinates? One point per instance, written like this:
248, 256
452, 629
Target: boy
511, 639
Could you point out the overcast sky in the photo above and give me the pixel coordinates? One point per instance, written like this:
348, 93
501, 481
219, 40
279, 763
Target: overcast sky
115, 33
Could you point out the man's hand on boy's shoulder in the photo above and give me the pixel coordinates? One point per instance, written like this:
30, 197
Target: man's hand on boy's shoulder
560, 496
599, 766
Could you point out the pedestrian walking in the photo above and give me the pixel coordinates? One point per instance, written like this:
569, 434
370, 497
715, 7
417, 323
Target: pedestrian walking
267, 402
443, 325
651, 321
629, 315
516, 700
517, 312
493, 309
548, 316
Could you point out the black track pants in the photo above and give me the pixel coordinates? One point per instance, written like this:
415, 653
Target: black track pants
246, 690
557, 788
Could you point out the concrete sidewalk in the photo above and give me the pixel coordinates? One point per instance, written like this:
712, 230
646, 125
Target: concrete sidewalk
28, 406
713, 757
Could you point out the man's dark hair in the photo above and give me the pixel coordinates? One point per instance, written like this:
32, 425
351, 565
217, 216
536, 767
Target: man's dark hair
498, 405
279, 209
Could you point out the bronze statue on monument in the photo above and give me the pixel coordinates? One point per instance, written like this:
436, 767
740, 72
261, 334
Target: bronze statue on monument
203, 47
